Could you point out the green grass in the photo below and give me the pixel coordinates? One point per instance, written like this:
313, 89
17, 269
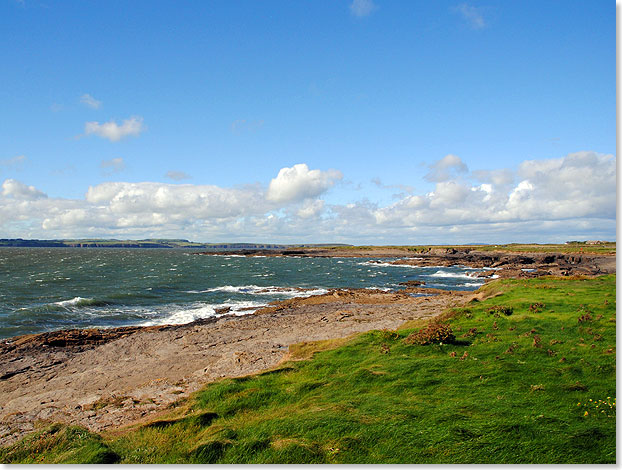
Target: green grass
606, 248
59, 444
514, 390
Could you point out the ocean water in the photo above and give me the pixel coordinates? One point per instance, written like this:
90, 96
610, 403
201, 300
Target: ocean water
44, 289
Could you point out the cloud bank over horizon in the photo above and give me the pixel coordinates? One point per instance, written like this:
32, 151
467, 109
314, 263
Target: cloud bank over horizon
552, 200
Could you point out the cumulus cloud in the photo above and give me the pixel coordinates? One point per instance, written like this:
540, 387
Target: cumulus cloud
298, 182
89, 101
499, 177
176, 201
361, 8
311, 208
114, 132
114, 165
557, 199
580, 185
471, 15
18, 190
446, 168
177, 175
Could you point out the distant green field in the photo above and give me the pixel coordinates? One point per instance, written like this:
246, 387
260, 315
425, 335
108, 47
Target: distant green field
605, 248
529, 377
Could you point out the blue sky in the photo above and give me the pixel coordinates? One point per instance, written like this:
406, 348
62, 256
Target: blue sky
365, 121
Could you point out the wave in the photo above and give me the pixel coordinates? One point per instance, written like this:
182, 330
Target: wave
447, 274
80, 302
182, 315
264, 290
225, 256
386, 265
70, 305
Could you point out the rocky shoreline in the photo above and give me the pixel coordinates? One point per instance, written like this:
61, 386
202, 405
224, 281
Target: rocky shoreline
507, 264
107, 378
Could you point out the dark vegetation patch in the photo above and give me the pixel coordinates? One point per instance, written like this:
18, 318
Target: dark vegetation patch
433, 333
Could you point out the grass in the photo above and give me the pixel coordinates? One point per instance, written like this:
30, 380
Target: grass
59, 444
529, 378
579, 247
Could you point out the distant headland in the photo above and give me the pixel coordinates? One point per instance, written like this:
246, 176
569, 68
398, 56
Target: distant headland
150, 243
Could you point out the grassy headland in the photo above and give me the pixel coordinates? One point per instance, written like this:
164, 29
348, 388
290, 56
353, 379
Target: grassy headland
605, 248
526, 375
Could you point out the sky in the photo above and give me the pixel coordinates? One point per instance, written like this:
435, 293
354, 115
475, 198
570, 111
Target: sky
326, 121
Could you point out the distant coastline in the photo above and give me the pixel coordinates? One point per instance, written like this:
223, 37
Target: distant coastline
148, 243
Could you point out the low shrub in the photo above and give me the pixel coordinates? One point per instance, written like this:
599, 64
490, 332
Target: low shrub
505, 310
434, 333
585, 318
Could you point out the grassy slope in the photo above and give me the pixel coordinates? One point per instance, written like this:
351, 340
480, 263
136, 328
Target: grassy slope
504, 397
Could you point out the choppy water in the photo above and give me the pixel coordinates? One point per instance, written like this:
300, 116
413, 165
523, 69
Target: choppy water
43, 289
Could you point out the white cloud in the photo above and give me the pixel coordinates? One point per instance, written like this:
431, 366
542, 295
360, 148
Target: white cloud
500, 177
89, 101
445, 168
580, 185
176, 201
471, 15
550, 200
310, 209
18, 190
113, 131
115, 165
177, 175
360, 8
298, 182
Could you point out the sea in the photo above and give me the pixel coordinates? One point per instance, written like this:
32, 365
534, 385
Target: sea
46, 289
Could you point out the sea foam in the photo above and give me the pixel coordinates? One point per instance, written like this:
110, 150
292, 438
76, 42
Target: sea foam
178, 315
264, 290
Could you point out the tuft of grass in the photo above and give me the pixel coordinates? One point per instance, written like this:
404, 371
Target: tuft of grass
532, 387
59, 444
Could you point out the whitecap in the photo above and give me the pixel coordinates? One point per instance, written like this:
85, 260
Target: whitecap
388, 265
446, 274
265, 290
75, 302
458, 275
178, 315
